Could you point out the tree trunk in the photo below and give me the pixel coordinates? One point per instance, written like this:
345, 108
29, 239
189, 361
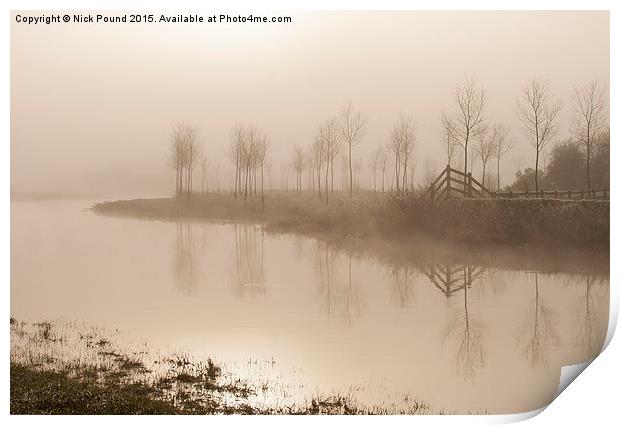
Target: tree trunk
498, 186
181, 181
189, 180
405, 175
383, 180
326, 183
350, 172
466, 143
536, 170
237, 176
262, 191
396, 169
374, 179
588, 166
245, 189
332, 174
318, 180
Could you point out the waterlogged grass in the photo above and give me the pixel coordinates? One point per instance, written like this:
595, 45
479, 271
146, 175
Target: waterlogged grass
69, 368
533, 222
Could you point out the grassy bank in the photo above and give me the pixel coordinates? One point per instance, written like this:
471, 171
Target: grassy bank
520, 222
66, 368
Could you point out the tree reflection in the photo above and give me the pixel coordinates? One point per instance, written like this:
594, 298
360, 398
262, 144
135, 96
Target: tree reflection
340, 297
248, 273
402, 286
541, 337
591, 332
463, 333
185, 264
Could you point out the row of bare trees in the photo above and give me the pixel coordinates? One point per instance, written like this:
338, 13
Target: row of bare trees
465, 128
538, 112
185, 152
248, 151
333, 136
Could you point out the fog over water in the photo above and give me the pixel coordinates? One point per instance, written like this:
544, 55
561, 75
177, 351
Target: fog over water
308, 317
92, 105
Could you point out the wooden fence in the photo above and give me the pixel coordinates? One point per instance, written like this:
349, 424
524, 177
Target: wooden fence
453, 183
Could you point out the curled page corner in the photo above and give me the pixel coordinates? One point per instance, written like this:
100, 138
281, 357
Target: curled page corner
518, 417
568, 374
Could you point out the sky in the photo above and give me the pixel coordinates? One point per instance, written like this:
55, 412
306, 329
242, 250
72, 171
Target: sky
92, 105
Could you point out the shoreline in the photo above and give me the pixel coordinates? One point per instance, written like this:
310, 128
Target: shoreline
381, 224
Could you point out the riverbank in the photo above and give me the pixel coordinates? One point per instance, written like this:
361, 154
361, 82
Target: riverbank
476, 222
66, 368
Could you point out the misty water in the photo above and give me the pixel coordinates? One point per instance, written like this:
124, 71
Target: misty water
306, 317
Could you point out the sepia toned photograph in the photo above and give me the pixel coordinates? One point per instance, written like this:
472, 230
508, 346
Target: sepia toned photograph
306, 212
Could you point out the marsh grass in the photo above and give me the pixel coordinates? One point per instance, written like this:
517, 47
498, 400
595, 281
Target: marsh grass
69, 368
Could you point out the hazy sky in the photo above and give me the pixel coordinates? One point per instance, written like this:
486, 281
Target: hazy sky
92, 104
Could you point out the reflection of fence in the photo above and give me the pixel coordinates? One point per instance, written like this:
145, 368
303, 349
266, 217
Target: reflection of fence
454, 183
451, 279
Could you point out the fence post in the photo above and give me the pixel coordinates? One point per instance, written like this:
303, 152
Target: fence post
448, 181
581, 193
468, 185
556, 194
570, 196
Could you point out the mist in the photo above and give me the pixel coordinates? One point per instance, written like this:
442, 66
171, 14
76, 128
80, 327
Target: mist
92, 106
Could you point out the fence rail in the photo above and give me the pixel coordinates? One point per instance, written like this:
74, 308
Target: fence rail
451, 183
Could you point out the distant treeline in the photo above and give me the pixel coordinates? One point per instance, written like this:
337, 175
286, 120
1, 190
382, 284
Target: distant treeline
469, 139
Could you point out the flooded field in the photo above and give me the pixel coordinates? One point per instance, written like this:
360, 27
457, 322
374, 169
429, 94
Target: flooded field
304, 317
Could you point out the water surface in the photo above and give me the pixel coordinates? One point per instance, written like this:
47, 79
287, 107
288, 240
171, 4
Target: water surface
307, 317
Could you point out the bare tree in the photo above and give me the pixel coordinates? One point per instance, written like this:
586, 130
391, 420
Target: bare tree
235, 151
204, 175
217, 176
193, 155
261, 155
538, 112
402, 138
344, 173
333, 145
375, 159
185, 152
590, 118
352, 129
384, 161
317, 152
485, 150
468, 118
502, 145
449, 137
396, 147
179, 152
250, 147
299, 164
